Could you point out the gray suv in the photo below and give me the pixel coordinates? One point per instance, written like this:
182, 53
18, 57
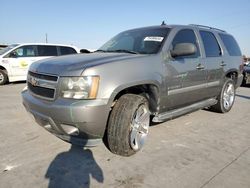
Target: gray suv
141, 75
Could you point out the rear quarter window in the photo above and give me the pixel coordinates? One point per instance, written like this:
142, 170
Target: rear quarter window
67, 50
230, 44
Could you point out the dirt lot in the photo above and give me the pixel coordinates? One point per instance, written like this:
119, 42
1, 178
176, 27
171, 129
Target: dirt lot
202, 149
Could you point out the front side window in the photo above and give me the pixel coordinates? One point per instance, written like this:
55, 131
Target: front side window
142, 41
44, 50
210, 43
186, 36
231, 45
25, 51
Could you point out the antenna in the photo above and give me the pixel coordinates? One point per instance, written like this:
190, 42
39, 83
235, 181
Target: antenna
163, 23
46, 37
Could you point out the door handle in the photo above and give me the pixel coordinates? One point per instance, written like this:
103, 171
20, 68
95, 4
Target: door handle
200, 67
222, 64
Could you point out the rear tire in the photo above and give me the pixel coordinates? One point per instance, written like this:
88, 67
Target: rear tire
226, 97
3, 77
128, 125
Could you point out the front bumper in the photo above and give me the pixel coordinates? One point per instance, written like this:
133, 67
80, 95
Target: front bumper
60, 117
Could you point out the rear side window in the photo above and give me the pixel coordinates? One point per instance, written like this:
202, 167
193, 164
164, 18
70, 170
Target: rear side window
186, 36
44, 50
67, 50
211, 46
231, 45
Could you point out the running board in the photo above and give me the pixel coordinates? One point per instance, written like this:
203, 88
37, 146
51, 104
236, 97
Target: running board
180, 111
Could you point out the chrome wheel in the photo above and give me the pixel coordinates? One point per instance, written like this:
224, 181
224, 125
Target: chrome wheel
228, 96
139, 127
1, 77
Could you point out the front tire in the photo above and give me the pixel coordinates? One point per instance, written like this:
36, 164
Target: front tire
128, 125
226, 97
3, 77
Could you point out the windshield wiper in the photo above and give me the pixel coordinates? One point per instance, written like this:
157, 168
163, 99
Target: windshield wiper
119, 51
125, 51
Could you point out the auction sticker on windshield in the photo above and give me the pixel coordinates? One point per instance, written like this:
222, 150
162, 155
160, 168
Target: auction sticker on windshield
153, 38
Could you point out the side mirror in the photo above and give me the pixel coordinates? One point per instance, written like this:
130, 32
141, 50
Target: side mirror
183, 49
13, 54
85, 51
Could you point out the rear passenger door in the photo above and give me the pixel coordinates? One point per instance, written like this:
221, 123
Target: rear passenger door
187, 80
214, 62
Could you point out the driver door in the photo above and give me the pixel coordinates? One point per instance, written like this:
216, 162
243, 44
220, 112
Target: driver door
186, 80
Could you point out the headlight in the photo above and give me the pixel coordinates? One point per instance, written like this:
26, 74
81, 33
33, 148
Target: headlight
84, 87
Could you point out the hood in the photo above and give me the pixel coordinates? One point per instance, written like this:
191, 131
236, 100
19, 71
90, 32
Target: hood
74, 65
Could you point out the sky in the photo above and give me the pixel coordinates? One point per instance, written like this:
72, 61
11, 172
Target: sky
89, 24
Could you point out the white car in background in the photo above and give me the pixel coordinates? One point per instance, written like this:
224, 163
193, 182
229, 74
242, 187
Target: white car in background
2, 46
16, 58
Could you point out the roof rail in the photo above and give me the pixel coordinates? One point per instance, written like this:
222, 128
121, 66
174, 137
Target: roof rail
207, 27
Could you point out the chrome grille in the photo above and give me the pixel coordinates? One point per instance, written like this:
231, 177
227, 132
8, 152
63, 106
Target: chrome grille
43, 76
42, 85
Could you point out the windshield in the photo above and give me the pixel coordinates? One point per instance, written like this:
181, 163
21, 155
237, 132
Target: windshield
142, 41
4, 50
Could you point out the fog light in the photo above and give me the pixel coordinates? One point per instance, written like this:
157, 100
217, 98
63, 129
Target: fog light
25, 88
70, 130
48, 127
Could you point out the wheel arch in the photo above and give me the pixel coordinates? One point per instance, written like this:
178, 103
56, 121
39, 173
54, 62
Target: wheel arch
233, 74
4, 69
150, 90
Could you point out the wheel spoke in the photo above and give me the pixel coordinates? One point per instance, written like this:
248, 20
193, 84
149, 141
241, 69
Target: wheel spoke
229, 88
143, 130
1, 77
143, 118
228, 96
140, 115
225, 98
139, 127
134, 139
